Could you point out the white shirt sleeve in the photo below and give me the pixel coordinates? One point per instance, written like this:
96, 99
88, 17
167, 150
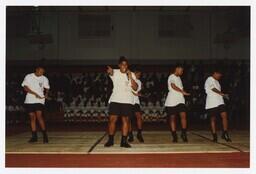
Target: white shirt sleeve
46, 83
209, 85
25, 81
112, 77
134, 77
172, 79
139, 85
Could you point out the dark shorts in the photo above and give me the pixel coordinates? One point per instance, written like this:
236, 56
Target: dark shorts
121, 109
34, 107
176, 109
217, 110
136, 108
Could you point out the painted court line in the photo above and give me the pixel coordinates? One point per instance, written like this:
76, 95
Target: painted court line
224, 144
97, 142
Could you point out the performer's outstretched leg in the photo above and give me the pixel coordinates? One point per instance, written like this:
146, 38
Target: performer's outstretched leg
213, 128
130, 133
111, 130
39, 117
183, 117
172, 124
225, 135
125, 128
139, 126
32, 116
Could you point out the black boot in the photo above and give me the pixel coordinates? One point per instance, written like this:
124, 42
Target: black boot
214, 137
139, 136
225, 136
45, 137
130, 137
110, 141
33, 138
124, 142
174, 137
184, 135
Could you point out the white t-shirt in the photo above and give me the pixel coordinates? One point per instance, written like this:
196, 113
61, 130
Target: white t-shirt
36, 84
136, 98
213, 99
174, 97
122, 90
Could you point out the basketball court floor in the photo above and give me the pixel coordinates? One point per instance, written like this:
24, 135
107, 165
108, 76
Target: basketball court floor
86, 149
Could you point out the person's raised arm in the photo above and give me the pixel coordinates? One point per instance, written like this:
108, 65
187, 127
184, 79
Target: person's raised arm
134, 84
110, 71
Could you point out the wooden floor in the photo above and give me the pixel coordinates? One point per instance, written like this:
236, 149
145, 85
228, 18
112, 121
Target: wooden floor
86, 149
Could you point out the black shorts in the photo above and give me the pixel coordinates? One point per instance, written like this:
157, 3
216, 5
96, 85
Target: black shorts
176, 109
217, 110
34, 107
136, 108
121, 109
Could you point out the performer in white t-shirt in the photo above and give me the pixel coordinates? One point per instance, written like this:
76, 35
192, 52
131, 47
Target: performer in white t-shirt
215, 104
175, 103
36, 86
137, 111
121, 100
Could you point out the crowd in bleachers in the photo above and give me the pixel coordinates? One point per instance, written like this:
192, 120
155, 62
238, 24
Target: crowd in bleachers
83, 97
